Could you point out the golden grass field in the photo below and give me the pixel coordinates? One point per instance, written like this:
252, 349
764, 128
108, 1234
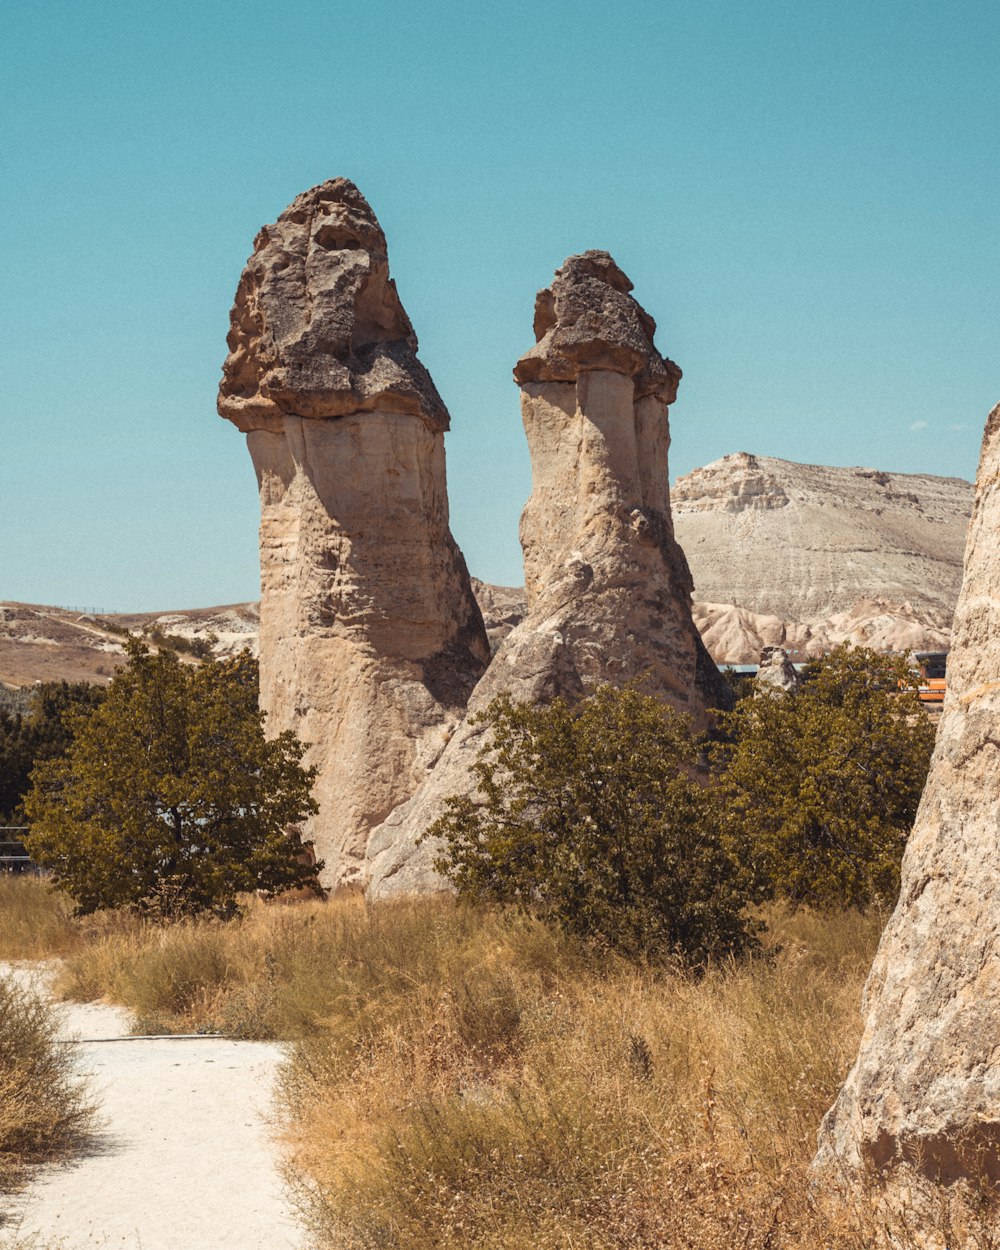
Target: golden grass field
466, 1078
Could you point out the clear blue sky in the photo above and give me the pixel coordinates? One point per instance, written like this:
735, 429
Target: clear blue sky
806, 195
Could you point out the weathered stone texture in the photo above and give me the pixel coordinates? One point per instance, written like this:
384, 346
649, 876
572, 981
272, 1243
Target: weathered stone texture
776, 674
608, 588
370, 637
925, 1089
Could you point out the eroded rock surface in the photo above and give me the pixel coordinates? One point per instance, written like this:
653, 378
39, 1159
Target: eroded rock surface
370, 637
802, 542
608, 588
925, 1089
776, 674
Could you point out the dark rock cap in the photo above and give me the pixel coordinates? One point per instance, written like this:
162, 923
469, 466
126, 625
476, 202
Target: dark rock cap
588, 320
317, 328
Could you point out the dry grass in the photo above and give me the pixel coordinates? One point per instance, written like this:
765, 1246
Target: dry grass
466, 1079
561, 1103
35, 921
44, 1111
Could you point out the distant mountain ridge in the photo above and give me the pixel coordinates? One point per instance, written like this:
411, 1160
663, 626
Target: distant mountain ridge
803, 556
805, 542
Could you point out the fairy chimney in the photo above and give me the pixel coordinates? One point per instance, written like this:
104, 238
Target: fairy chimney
370, 638
609, 591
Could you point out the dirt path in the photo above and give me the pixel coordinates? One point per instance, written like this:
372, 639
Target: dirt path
184, 1158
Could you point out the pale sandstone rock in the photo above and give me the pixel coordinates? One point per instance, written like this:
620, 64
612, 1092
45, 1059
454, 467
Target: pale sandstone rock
370, 637
735, 635
608, 588
803, 542
776, 674
925, 1089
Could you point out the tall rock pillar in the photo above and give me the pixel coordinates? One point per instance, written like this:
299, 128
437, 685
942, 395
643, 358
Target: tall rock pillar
599, 549
609, 591
925, 1089
371, 640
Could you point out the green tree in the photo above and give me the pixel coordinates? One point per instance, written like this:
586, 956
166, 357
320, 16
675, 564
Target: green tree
39, 733
592, 817
820, 788
170, 798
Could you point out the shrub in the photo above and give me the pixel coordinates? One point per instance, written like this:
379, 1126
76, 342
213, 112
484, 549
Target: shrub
170, 799
822, 787
592, 817
44, 1111
38, 732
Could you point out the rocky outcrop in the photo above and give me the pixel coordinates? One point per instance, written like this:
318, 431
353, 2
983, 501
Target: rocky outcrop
736, 636
803, 542
503, 607
608, 588
925, 1089
370, 637
776, 674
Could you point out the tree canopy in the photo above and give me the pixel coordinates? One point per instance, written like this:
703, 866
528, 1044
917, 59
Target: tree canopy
592, 816
38, 733
821, 787
169, 797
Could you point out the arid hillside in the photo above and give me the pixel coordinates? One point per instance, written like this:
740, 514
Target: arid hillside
805, 542
39, 643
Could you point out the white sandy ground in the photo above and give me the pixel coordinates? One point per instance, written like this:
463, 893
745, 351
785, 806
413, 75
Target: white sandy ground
184, 1158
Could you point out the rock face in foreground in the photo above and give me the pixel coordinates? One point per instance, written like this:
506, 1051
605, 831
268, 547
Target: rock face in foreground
370, 637
803, 542
925, 1089
608, 588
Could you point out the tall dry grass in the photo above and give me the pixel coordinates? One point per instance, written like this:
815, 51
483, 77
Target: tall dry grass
44, 1110
565, 1101
35, 920
468, 1079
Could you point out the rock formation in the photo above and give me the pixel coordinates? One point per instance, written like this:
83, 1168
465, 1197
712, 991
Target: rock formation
803, 542
370, 638
736, 636
608, 588
925, 1089
776, 674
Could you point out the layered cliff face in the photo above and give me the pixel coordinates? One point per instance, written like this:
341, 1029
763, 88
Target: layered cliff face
608, 589
370, 636
925, 1089
805, 543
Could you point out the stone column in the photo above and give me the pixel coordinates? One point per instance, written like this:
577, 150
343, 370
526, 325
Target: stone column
923, 1097
609, 591
371, 640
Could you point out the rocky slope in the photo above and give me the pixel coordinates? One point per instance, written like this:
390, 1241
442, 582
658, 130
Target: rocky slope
805, 543
39, 643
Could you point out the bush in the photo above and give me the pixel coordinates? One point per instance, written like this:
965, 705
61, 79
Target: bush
822, 787
592, 817
39, 732
44, 1111
170, 799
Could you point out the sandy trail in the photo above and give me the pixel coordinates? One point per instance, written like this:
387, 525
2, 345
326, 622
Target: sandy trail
184, 1158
